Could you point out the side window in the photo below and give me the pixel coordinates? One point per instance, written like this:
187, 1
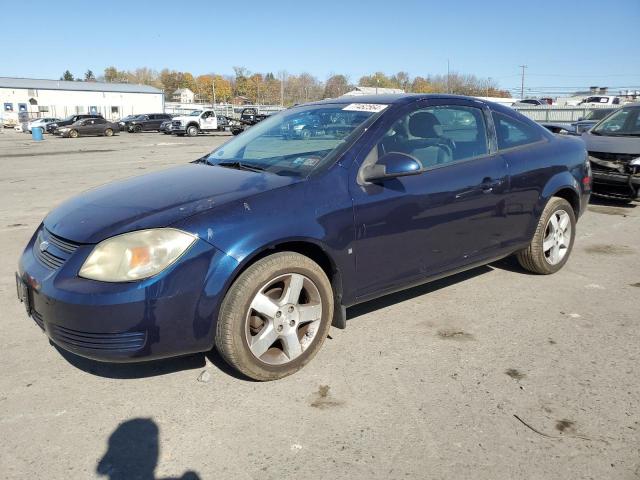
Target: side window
100, 120
514, 133
438, 135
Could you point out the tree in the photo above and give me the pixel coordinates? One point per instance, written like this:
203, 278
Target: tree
378, 79
335, 86
89, 76
113, 75
67, 75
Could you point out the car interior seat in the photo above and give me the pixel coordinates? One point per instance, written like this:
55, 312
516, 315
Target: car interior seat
428, 144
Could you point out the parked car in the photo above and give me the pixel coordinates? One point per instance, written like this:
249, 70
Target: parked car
582, 125
165, 127
590, 119
259, 246
196, 122
125, 121
71, 119
41, 123
248, 117
601, 100
614, 152
88, 127
148, 122
530, 102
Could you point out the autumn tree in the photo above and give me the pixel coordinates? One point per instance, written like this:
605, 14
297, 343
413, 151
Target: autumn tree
113, 75
335, 86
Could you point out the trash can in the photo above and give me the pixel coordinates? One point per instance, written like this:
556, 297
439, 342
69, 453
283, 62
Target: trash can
36, 134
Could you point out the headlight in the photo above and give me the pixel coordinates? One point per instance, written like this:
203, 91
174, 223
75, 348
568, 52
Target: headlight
136, 255
298, 127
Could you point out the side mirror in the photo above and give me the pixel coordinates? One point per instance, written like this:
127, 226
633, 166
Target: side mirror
392, 165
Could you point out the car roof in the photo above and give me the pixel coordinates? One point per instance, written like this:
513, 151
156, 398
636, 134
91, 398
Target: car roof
403, 99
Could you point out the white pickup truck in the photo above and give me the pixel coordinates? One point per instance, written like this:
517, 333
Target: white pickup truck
196, 122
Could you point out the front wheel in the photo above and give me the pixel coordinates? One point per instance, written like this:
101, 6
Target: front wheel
192, 131
73, 134
553, 239
275, 316
108, 132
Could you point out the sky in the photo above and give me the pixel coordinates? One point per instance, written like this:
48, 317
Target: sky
566, 44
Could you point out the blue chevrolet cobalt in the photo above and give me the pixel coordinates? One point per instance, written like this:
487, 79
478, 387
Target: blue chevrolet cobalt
258, 248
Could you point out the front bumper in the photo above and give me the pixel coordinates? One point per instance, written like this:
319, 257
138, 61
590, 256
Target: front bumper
611, 184
172, 313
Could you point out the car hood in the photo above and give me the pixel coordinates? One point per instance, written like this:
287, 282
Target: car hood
155, 200
601, 143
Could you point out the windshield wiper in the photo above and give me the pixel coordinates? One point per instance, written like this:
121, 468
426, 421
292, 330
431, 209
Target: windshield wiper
240, 166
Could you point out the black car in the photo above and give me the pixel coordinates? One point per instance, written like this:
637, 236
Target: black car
70, 120
147, 122
87, 127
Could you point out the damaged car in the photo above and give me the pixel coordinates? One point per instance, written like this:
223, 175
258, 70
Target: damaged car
257, 248
614, 153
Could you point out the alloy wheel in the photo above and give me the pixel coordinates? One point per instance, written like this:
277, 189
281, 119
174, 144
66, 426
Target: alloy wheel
283, 318
557, 237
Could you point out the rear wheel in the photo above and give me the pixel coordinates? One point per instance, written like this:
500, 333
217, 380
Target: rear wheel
192, 131
275, 316
553, 240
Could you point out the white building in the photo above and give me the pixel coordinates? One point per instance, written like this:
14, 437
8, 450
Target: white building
372, 91
58, 98
183, 95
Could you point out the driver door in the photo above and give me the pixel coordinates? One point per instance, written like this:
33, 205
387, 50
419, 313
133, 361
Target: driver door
209, 121
414, 227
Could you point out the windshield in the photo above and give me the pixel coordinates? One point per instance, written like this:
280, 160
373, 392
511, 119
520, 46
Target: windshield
598, 114
623, 123
295, 141
195, 113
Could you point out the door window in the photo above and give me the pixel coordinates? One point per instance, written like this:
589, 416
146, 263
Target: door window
438, 135
514, 133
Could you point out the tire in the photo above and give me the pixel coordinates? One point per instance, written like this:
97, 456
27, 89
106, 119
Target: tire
290, 341
192, 131
73, 134
535, 258
108, 132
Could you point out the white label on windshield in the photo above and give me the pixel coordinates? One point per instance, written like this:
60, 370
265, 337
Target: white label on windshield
365, 107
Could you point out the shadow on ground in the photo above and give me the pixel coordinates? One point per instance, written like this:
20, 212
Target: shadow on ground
133, 453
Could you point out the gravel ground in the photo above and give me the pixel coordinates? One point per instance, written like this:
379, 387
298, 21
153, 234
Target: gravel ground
489, 374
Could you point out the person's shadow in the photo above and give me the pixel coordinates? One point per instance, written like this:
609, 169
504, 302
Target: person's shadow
133, 453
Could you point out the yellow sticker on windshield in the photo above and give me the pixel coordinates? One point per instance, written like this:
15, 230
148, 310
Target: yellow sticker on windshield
365, 107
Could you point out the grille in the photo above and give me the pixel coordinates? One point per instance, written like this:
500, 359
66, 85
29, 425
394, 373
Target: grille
128, 341
61, 249
48, 259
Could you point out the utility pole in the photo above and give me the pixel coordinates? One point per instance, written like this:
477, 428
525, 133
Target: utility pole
448, 73
522, 82
488, 85
282, 89
213, 88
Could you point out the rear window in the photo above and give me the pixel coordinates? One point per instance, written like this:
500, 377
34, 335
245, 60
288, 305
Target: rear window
514, 133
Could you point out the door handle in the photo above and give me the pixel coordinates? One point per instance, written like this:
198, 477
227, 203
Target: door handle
488, 184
